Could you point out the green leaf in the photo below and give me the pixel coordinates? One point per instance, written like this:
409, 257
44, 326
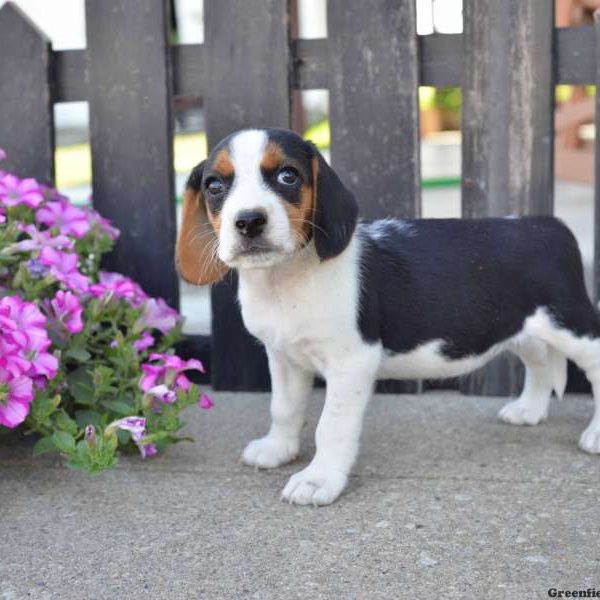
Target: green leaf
42, 408
81, 386
79, 354
85, 417
123, 436
93, 459
44, 445
64, 441
64, 422
121, 408
192, 395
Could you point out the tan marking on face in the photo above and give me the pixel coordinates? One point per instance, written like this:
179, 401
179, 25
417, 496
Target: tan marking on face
273, 157
301, 215
214, 220
223, 164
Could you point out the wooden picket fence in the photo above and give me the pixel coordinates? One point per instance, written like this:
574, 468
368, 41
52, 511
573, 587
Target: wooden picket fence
507, 62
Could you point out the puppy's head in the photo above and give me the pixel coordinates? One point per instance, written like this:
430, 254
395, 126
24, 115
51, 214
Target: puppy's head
260, 197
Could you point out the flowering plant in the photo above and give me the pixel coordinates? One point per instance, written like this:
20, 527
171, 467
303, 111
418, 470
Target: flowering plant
85, 354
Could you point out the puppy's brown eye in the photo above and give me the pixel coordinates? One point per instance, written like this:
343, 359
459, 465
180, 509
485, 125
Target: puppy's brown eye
287, 176
214, 187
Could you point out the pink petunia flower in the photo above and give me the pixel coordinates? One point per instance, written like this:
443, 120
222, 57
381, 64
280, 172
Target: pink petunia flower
16, 395
163, 394
137, 428
69, 219
119, 286
41, 239
24, 340
2, 216
104, 225
145, 342
170, 372
42, 363
11, 357
2, 154
148, 450
15, 191
67, 309
63, 266
36, 269
135, 425
21, 321
40, 382
205, 402
158, 315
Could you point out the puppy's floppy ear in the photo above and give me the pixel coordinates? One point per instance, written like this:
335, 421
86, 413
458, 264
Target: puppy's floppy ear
334, 209
197, 241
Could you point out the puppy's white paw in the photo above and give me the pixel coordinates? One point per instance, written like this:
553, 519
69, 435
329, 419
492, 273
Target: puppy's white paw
590, 440
269, 452
518, 412
314, 486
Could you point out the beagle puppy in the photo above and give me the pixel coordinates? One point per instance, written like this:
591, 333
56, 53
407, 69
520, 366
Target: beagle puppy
357, 301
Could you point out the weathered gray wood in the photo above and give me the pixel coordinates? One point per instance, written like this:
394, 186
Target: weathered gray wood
189, 72
70, 81
508, 99
310, 64
575, 55
440, 64
440, 59
247, 59
26, 116
247, 62
597, 166
507, 125
131, 137
374, 140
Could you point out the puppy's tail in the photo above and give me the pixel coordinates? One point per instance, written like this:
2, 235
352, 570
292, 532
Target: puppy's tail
558, 369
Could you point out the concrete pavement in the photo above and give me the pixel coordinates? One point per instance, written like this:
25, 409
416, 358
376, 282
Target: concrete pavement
445, 501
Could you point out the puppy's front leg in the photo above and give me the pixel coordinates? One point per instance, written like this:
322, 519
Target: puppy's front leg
322, 481
291, 388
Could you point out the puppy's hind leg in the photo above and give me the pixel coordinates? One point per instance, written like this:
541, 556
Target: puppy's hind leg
590, 438
545, 370
578, 337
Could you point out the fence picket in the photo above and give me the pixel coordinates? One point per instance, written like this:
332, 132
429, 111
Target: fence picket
375, 142
132, 138
248, 72
26, 112
508, 129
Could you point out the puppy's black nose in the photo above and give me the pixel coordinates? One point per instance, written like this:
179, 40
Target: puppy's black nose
250, 223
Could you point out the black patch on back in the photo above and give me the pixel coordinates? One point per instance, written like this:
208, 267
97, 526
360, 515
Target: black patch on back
470, 282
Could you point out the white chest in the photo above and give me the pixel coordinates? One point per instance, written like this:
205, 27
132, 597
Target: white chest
305, 310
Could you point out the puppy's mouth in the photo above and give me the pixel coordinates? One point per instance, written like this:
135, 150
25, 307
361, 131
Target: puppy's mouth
256, 254
255, 248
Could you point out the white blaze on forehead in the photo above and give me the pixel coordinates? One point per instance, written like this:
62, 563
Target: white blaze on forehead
247, 150
250, 192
